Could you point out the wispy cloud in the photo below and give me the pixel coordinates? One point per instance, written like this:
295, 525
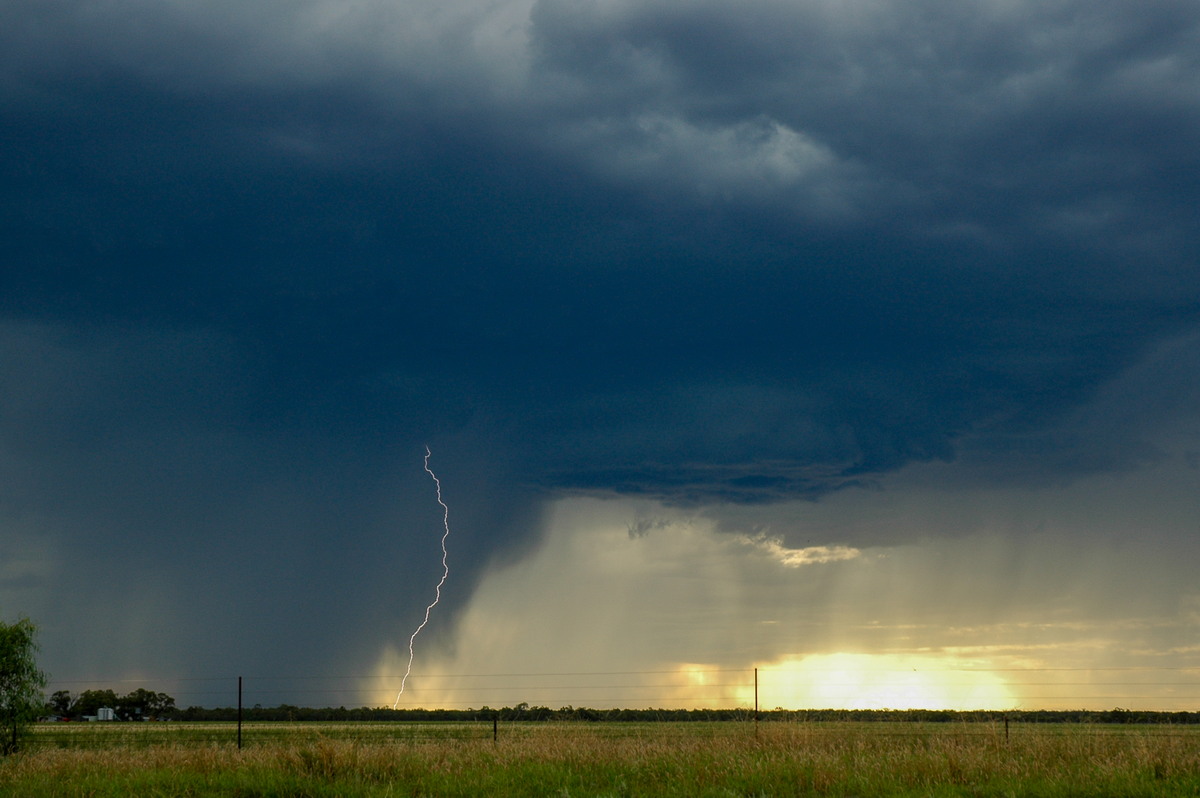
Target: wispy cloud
795, 558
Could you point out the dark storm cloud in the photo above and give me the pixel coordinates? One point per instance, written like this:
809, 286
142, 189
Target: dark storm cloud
254, 257
770, 239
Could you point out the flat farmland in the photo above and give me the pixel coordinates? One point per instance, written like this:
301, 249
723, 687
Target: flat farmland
605, 759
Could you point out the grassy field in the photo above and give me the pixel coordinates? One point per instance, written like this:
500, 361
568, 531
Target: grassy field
605, 759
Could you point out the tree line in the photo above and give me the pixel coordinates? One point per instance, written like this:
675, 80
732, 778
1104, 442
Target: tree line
143, 704
139, 704
525, 712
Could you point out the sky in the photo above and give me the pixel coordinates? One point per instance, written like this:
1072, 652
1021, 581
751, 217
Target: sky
857, 342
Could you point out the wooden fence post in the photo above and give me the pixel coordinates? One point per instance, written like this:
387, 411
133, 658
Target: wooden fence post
239, 713
756, 702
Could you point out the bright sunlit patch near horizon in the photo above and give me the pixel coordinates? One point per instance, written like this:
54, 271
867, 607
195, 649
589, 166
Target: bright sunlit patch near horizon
880, 681
633, 604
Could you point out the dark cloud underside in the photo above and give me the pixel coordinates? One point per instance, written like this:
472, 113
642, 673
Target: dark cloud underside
255, 258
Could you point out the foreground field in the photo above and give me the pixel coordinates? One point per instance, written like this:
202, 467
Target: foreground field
552, 759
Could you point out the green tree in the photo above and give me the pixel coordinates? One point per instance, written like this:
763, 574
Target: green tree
89, 702
61, 703
143, 704
21, 682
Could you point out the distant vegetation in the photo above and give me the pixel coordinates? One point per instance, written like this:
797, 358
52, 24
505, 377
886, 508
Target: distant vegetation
139, 704
523, 712
143, 704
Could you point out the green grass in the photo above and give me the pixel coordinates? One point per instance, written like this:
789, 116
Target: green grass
608, 759
141, 735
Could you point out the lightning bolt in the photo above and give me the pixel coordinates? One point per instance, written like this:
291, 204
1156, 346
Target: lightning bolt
442, 581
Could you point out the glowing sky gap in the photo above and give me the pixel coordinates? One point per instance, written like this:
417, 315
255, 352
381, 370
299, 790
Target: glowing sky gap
442, 581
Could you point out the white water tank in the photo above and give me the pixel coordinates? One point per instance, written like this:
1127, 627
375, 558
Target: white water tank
106, 713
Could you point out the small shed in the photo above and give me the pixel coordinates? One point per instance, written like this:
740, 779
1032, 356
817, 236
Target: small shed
106, 713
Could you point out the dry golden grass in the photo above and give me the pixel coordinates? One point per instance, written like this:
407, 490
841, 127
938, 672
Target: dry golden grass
651, 759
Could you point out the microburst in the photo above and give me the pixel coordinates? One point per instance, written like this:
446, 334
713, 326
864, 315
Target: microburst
445, 573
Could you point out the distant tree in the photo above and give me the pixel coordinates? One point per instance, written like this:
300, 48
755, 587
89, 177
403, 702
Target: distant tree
89, 702
61, 703
143, 704
21, 683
